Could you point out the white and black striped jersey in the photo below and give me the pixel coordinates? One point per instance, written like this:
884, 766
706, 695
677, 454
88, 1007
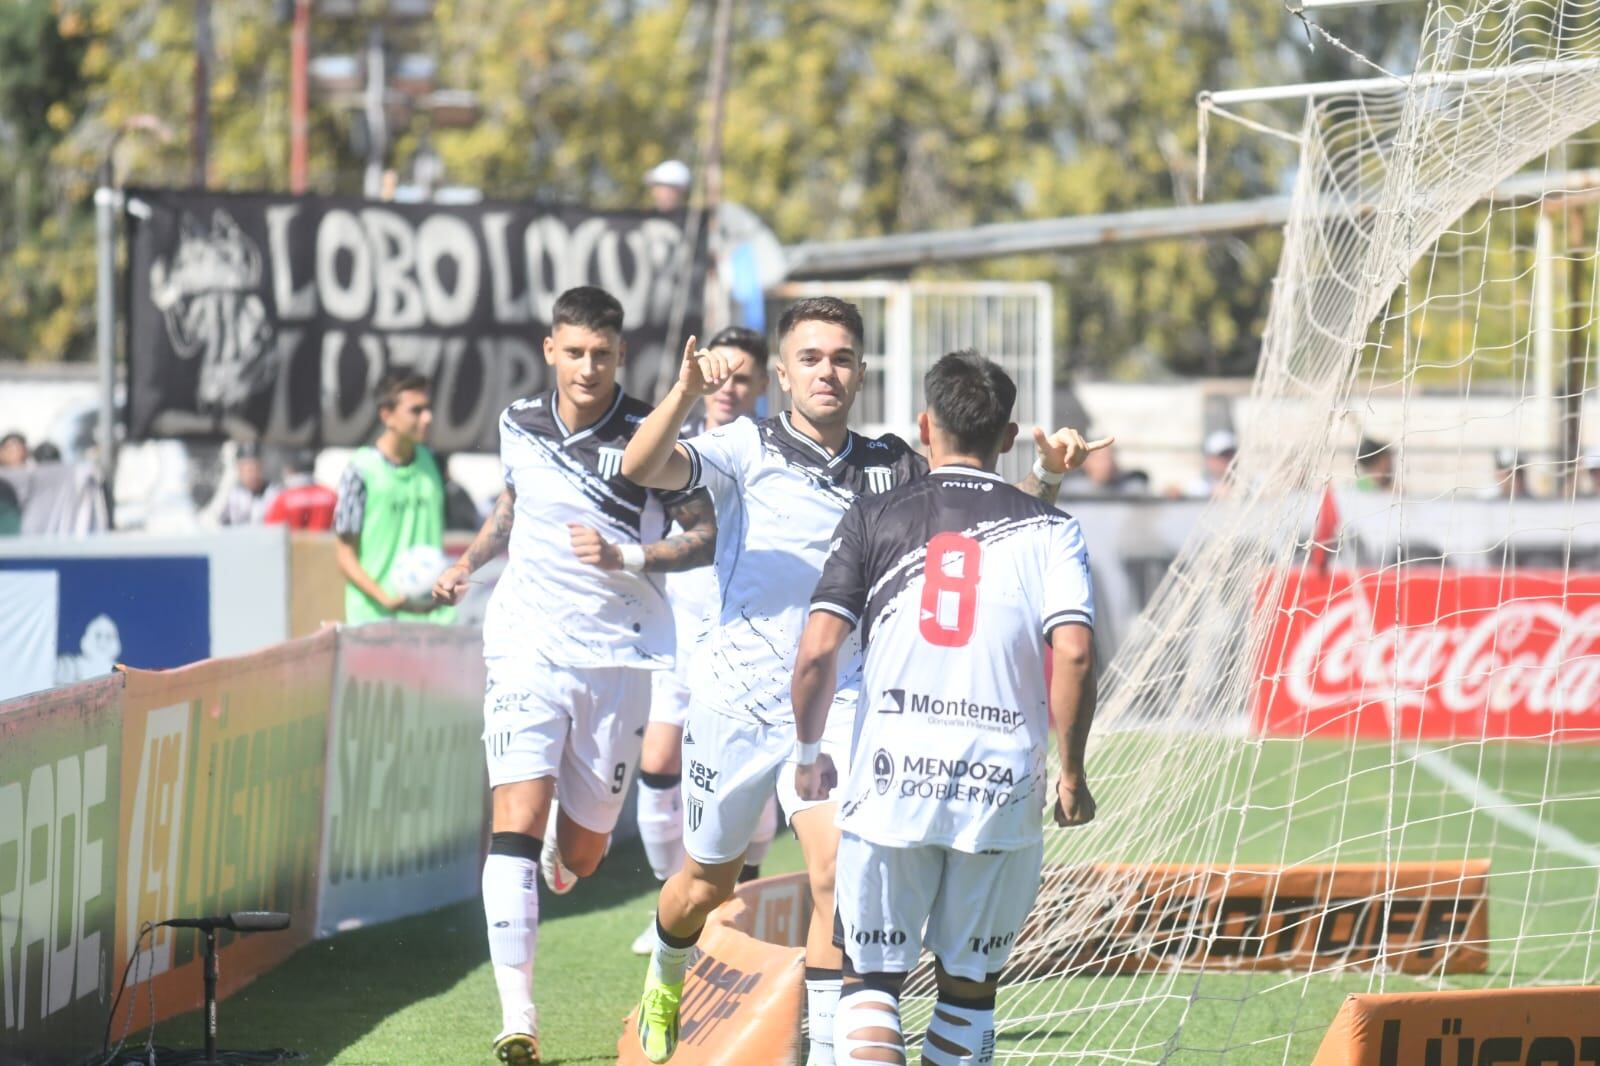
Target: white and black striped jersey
547, 603
692, 594
954, 584
778, 497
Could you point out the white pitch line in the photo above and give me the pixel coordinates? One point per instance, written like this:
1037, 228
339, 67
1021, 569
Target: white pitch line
1499, 806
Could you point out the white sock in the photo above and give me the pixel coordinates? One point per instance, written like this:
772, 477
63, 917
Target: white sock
822, 1001
766, 829
668, 962
959, 1036
511, 909
859, 1012
661, 828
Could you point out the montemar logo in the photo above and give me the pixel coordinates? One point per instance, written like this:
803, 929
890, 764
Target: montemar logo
943, 709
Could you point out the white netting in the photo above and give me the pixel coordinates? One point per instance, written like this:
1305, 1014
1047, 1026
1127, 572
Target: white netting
1416, 307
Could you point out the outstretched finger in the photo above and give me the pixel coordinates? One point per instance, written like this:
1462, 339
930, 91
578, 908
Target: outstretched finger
688, 348
1041, 439
1103, 442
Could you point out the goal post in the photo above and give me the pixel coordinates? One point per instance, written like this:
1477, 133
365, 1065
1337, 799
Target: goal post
1350, 745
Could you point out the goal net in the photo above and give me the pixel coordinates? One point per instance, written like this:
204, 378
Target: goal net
1349, 745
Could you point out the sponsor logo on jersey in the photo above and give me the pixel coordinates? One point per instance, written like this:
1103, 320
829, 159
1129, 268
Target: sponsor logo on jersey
975, 486
956, 711
688, 735
697, 812
703, 776
883, 771
958, 781
610, 462
879, 478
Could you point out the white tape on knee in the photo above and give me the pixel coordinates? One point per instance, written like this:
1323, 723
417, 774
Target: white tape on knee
861, 1011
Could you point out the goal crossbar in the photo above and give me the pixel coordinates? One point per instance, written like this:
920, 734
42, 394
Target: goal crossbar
1355, 86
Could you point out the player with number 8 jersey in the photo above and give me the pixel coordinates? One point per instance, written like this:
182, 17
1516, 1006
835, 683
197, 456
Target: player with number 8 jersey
955, 584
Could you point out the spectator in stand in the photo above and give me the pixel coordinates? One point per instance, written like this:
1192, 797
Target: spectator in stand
1217, 452
460, 513
13, 450
1374, 466
250, 495
1510, 477
1591, 466
669, 185
1101, 476
46, 453
391, 502
300, 502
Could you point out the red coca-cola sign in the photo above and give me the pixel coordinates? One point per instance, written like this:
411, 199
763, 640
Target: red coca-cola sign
1432, 654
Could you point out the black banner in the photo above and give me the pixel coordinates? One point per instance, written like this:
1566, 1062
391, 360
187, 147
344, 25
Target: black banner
273, 317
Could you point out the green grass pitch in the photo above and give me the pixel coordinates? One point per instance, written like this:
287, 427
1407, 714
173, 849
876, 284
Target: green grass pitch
419, 990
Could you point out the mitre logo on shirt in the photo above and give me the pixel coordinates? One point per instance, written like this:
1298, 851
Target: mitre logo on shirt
610, 462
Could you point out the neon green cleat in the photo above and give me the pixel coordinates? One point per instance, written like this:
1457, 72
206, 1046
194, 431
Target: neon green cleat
658, 1018
517, 1049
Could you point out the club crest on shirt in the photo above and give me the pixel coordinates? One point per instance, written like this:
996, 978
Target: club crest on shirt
610, 462
879, 478
697, 811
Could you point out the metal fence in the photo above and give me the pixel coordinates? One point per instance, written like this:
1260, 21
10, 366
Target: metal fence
909, 324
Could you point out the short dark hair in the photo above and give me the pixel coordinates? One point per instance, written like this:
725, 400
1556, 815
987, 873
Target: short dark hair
588, 306
393, 383
824, 309
971, 399
47, 453
746, 340
14, 436
1369, 451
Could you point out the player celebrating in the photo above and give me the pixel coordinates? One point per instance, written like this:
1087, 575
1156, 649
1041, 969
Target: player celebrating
779, 488
956, 583
573, 633
693, 595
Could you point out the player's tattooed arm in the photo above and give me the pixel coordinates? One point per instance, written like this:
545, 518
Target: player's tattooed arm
492, 539
1058, 452
688, 550
695, 547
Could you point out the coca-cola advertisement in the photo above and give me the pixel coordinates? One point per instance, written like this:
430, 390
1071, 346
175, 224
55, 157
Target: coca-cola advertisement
1430, 654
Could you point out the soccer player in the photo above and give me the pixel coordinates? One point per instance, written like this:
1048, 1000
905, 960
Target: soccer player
574, 631
693, 595
391, 499
956, 584
779, 487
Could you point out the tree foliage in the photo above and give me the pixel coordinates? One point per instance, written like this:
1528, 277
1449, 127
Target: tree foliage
844, 118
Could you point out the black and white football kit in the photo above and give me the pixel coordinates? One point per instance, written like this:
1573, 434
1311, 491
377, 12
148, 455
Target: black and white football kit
954, 584
692, 595
778, 497
570, 648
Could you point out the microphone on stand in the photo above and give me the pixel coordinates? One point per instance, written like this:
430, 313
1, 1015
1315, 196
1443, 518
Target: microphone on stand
237, 922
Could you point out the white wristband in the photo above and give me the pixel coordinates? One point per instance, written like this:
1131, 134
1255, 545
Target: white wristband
1049, 477
632, 557
806, 752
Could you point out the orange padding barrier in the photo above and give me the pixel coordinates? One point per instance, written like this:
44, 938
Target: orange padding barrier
743, 996
1508, 1027
1105, 919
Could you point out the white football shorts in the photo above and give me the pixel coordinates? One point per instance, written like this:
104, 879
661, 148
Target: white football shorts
730, 768
583, 726
972, 906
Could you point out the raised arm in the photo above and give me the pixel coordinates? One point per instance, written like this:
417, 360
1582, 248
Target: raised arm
653, 458
1058, 452
1072, 702
492, 539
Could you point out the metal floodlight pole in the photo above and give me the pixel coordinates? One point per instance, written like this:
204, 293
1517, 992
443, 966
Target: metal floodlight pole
1349, 86
106, 201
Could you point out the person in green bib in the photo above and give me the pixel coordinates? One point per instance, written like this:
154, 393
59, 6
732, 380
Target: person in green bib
391, 508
